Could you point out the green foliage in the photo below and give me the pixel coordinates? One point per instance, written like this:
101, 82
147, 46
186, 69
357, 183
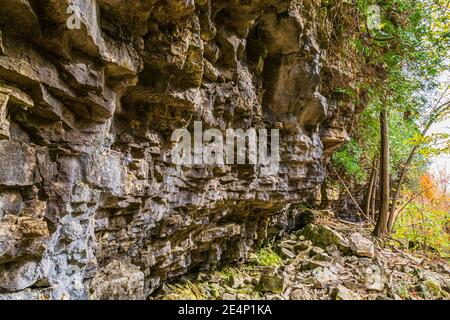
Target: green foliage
348, 158
422, 225
345, 91
408, 54
228, 272
186, 291
435, 144
401, 134
268, 257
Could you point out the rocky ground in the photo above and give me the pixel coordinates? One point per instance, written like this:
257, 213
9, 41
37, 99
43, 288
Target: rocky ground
328, 259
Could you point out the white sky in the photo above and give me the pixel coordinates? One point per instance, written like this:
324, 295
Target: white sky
441, 162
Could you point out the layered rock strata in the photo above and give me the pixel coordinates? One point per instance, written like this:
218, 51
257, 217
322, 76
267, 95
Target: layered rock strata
90, 93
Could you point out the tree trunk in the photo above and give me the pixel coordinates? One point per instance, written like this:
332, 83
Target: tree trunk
373, 202
383, 217
401, 179
370, 187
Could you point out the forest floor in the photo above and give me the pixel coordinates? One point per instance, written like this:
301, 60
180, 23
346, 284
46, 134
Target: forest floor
328, 259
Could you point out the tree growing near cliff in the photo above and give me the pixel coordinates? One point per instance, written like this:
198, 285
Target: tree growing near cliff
408, 52
383, 217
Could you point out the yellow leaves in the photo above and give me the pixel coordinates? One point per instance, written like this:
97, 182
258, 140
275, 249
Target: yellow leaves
428, 185
135, 124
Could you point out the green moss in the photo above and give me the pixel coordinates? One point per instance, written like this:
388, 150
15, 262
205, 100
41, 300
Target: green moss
321, 236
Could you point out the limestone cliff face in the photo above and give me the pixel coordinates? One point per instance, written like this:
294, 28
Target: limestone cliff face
91, 205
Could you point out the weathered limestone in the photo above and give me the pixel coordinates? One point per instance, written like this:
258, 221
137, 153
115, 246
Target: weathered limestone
4, 122
361, 246
18, 164
322, 236
86, 176
118, 281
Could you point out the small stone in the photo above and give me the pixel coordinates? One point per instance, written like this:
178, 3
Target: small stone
32, 228
215, 277
274, 297
303, 245
342, 293
286, 253
211, 73
242, 296
320, 277
289, 243
311, 264
322, 256
400, 290
361, 246
430, 289
383, 297
316, 250
235, 281
333, 250
365, 262
374, 278
228, 296
289, 268
302, 293
436, 278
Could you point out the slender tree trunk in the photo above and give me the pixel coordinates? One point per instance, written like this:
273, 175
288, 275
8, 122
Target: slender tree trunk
397, 213
373, 202
401, 179
383, 217
370, 187
437, 109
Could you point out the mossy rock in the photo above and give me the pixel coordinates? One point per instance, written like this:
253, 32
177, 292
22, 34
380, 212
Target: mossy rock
309, 216
271, 283
322, 236
431, 290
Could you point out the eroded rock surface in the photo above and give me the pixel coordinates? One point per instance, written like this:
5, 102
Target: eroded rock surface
86, 116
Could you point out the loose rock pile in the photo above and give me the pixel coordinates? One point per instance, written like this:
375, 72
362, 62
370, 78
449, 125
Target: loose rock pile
333, 260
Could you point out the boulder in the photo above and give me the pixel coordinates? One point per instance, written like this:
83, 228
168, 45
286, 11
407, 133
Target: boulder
301, 292
321, 277
342, 293
361, 246
431, 290
436, 278
374, 278
15, 276
271, 283
286, 253
322, 236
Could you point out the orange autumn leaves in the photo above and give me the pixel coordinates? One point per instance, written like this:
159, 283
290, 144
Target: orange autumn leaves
434, 190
